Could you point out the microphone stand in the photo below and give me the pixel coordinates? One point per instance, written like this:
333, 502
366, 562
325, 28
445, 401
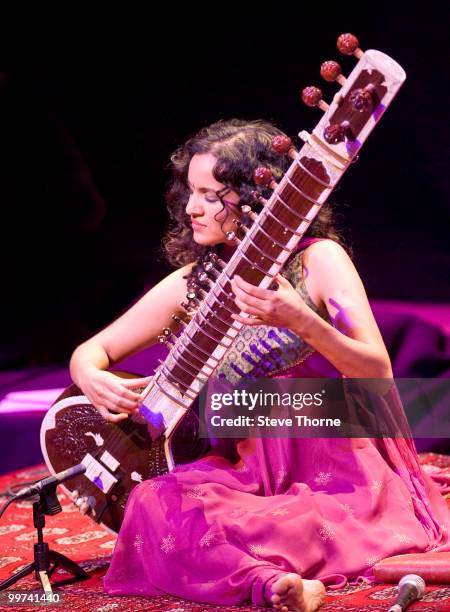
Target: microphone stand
45, 560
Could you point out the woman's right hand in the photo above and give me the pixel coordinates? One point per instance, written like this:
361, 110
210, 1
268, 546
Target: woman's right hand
112, 395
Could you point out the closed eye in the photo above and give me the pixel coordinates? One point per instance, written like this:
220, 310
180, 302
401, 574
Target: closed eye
210, 196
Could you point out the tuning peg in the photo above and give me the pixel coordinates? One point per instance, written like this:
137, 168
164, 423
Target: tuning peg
232, 237
312, 96
336, 132
164, 340
166, 336
203, 278
331, 71
179, 320
282, 145
192, 296
247, 210
362, 99
348, 44
263, 176
215, 259
240, 226
195, 289
209, 267
190, 311
257, 196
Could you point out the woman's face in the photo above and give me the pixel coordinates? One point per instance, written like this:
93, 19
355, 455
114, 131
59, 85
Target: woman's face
209, 218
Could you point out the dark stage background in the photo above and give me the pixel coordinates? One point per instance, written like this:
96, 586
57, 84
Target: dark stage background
88, 121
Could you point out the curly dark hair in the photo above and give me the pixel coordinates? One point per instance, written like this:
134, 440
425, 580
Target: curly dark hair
240, 146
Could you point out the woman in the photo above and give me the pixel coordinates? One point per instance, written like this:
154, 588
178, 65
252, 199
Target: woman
270, 521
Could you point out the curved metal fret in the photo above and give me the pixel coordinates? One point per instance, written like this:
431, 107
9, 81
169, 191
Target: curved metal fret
188, 391
200, 350
222, 305
282, 246
263, 253
253, 265
214, 327
313, 176
202, 331
300, 192
214, 314
193, 372
295, 232
208, 356
297, 214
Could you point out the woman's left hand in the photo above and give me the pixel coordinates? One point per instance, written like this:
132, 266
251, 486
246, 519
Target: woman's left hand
281, 308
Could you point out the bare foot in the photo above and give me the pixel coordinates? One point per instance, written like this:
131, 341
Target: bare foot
292, 594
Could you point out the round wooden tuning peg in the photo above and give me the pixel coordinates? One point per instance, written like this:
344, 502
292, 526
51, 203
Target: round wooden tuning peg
348, 44
283, 146
362, 99
263, 176
331, 71
336, 132
312, 96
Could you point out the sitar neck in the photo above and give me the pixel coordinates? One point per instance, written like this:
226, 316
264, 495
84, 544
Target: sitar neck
276, 232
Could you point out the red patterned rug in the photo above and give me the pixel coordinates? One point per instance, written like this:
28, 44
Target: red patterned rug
90, 545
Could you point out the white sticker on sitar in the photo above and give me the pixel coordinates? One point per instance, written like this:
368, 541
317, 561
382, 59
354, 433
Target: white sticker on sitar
98, 474
109, 461
136, 477
97, 438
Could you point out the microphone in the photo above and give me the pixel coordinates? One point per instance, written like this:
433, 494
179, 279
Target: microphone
41, 486
410, 588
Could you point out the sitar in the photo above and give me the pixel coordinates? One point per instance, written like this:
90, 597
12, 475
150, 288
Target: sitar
118, 456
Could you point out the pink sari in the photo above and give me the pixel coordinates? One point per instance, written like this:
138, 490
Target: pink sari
222, 529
